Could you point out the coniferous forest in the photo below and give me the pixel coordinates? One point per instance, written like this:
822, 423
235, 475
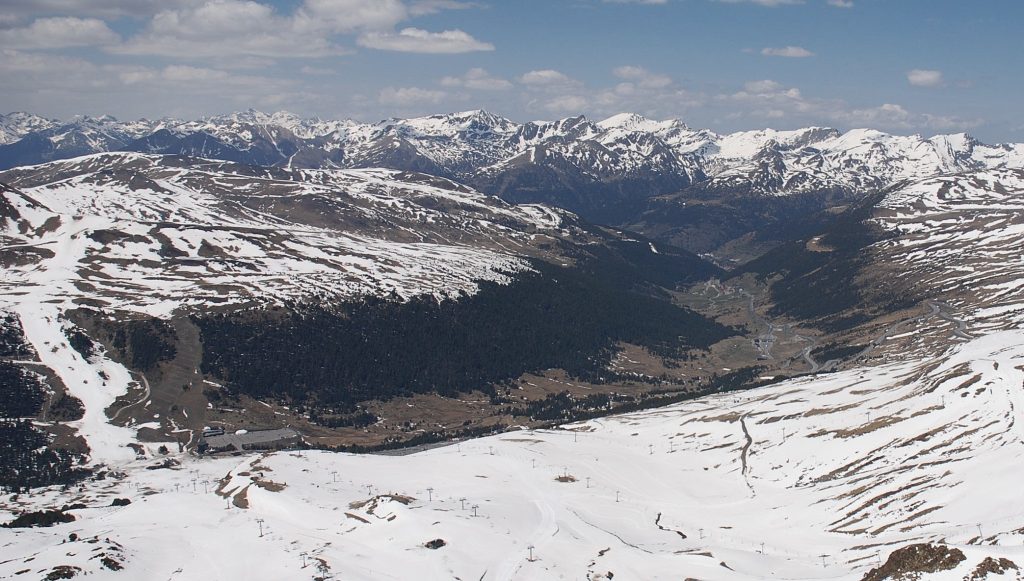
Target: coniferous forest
25, 459
556, 317
21, 392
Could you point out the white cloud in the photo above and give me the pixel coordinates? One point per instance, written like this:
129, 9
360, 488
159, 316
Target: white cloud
187, 74
771, 3
185, 79
925, 78
887, 114
477, 79
224, 29
188, 78
405, 96
15, 61
59, 32
98, 8
60, 79
766, 87
841, 3
553, 92
642, 77
897, 117
787, 52
547, 78
349, 15
423, 41
949, 123
768, 100
638, 90
318, 71
566, 104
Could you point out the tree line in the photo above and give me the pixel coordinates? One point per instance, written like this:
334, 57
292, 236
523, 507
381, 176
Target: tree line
376, 348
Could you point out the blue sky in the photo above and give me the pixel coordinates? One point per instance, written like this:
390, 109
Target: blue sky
905, 66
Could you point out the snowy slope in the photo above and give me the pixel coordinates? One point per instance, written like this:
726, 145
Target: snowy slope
226, 125
152, 234
858, 160
817, 478
149, 235
960, 235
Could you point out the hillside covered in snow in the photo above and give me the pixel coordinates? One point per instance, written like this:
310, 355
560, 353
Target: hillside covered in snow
851, 392
164, 294
661, 178
816, 478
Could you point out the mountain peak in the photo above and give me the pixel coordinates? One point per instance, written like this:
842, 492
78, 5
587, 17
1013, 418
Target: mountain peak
250, 115
623, 119
639, 123
475, 145
962, 140
89, 119
475, 114
475, 121
17, 124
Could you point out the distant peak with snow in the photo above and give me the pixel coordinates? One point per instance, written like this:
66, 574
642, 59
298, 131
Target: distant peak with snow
495, 154
639, 123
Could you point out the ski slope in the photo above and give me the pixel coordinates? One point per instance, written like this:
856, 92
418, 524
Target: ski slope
813, 478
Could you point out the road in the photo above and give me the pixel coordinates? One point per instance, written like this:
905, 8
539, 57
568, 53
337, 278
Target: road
806, 353
145, 397
936, 309
960, 327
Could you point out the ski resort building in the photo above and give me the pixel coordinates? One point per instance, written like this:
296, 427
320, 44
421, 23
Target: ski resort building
256, 440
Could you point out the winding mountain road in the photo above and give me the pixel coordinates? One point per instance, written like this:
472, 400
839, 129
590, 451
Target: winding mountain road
936, 309
142, 400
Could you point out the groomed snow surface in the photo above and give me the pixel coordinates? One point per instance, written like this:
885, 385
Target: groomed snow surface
814, 478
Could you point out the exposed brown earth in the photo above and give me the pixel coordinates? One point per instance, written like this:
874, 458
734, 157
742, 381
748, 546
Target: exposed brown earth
908, 563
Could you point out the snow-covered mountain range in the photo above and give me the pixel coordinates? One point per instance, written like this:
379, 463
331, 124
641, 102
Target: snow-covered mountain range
529, 161
909, 290
726, 194
917, 441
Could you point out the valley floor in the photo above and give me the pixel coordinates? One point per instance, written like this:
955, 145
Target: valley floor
819, 477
